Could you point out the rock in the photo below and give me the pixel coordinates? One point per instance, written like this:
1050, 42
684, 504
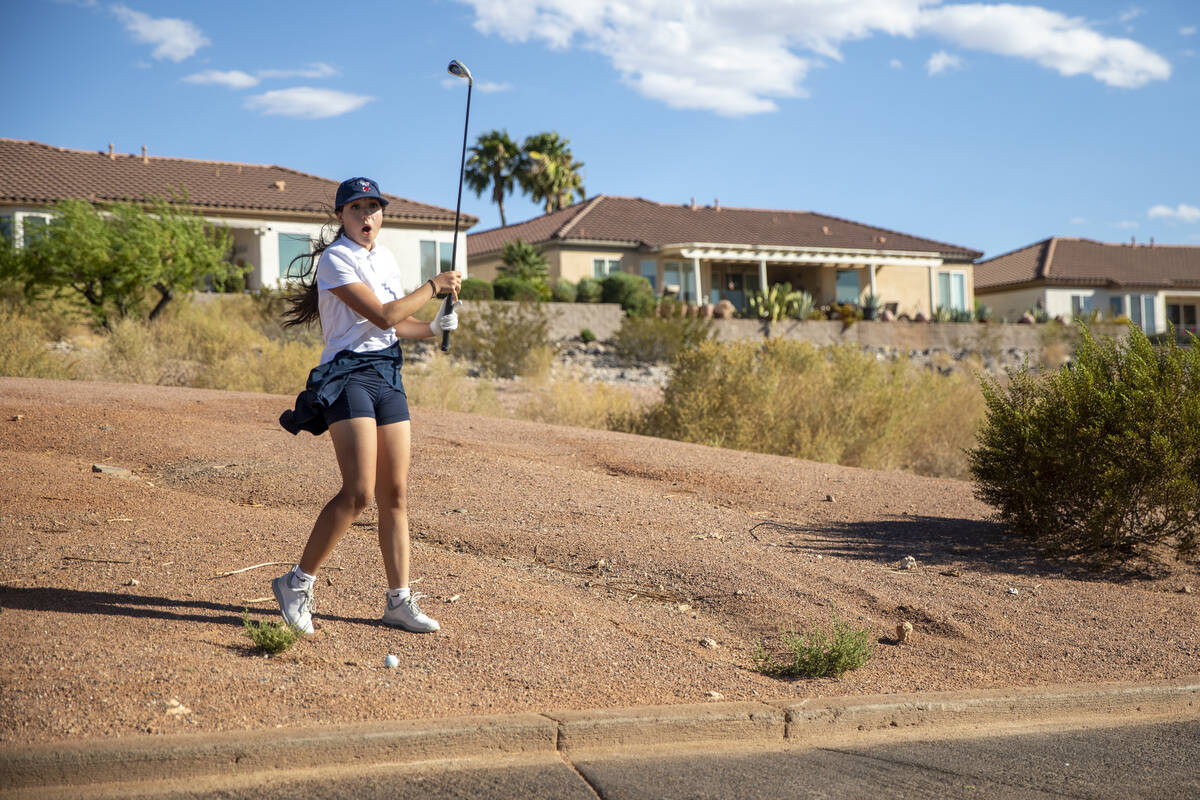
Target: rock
1011, 590
903, 632
715, 695
710, 643
908, 562
16, 418
132, 582
921, 317
829, 498
886, 316
724, 310
176, 708
1185, 589
1027, 319
116, 472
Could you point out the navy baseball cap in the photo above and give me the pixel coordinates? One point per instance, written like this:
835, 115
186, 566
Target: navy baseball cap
356, 188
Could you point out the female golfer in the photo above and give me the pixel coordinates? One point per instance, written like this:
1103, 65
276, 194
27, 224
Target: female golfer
357, 392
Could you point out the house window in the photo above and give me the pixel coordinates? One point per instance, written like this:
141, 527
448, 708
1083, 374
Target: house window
671, 277
32, 225
602, 267
650, 273
1081, 304
6, 228
952, 291
436, 257
291, 246
1182, 316
1116, 306
847, 286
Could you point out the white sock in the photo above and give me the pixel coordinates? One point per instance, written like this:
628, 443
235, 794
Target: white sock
399, 594
302, 577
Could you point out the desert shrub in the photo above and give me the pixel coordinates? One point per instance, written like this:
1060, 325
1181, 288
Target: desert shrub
836, 404
574, 402
25, 349
130, 353
659, 339
443, 383
506, 340
475, 289
778, 302
1101, 457
563, 291
510, 288
817, 653
588, 290
271, 636
587, 336
633, 292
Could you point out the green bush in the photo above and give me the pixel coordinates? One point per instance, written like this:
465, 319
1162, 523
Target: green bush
658, 339
780, 301
270, 636
633, 292
588, 290
818, 654
509, 288
506, 340
475, 289
837, 405
1101, 457
563, 291
586, 336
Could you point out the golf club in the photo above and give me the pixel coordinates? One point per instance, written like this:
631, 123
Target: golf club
458, 70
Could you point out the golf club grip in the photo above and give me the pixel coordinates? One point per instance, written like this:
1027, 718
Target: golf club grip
446, 334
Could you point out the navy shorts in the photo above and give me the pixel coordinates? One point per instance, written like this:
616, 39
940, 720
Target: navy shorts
367, 394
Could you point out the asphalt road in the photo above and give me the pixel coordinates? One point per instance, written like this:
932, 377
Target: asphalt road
1157, 761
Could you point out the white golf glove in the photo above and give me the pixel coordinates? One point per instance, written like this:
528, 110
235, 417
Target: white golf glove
444, 321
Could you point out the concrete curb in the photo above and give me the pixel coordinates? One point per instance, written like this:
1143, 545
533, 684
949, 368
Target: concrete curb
42, 767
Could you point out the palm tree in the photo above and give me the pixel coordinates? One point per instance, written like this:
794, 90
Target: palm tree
496, 162
549, 171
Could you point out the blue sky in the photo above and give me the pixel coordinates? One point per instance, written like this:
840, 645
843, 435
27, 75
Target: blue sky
986, 125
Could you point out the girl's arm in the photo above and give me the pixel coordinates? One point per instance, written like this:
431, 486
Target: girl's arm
395, 313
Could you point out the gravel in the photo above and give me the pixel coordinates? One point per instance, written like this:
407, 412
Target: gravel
569, 568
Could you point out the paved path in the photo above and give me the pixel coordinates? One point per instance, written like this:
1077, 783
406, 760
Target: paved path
1101, 741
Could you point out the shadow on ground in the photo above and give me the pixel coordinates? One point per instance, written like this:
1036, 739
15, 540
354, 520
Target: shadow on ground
979, 545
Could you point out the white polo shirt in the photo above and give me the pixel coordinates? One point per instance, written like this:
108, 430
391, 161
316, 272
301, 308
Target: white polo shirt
345, 262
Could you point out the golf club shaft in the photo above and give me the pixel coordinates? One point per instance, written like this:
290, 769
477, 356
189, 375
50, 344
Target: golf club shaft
457, 210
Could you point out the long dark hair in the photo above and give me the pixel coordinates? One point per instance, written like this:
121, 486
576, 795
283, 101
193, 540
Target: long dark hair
302, 307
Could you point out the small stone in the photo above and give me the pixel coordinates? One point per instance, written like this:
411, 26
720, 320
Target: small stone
715, 695
454, 599
460, 511
908, 562
829, 498
1185, 589
903, 631
176, 708
132, 582
16, 418
951, 573
740, 592
1011, 590
710, 643
683, 607
116, 472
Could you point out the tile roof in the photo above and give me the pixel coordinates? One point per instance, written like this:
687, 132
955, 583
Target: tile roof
628, 221
35, 173
1083, 262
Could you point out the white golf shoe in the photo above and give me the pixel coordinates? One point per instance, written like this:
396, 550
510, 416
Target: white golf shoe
406, 614
295, 602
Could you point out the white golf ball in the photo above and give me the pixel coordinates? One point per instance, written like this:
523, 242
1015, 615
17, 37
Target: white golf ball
391, 661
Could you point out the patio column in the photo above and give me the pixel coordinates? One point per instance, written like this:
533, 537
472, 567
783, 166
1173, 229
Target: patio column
762, 275
696, 279
871, 278
932, 291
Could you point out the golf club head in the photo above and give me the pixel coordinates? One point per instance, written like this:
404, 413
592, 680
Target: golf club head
459, 70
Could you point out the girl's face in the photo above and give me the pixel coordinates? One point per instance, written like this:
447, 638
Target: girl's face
362, 220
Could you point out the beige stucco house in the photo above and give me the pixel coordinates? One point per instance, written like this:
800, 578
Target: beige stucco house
1150, 284
272, 212
704, 254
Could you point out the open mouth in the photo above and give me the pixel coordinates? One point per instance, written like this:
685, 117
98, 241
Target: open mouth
366, 229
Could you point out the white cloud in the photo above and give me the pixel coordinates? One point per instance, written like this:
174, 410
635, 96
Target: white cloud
1127, 224
941, 61
306, 102
1181, 213
1131, 14
737, 57
896, 63
1066, 45
174, 39
487, 87
315, 70
233, 79
1190, 30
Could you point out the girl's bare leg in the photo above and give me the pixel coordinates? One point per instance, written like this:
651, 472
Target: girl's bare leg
391, 492
354, 443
